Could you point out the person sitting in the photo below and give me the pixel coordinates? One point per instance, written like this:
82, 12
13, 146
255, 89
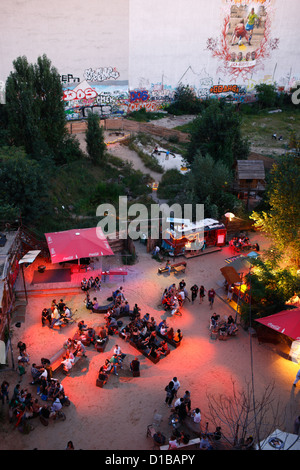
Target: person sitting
232, 329
81, 327
136, 311
102, 375
91, 283
163, 348
177, 336
84, 285
46, 316
135, 365
214, 321
163, 330
230, 320
61, 305
125, 309
97, 284
114, 360
256, 247
159, 438
112, 325
118, 352
79, 349
67, 364
36, 373
95, 304
54, 317
66, 314
107, 367
168, 266
57, 406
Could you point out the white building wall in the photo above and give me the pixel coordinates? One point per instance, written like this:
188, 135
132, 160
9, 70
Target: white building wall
133, 53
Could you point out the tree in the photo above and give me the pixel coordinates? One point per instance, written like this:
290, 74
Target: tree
282, 221
209, 182
23, 189
242, 415
185, 101
35, 111
94, 138
269, 287
217, 132
266, 95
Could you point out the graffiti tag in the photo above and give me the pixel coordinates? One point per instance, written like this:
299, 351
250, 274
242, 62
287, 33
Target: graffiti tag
101, 74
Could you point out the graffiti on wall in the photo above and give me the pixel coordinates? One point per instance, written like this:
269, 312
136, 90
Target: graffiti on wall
245, 40
69, 78
101, 74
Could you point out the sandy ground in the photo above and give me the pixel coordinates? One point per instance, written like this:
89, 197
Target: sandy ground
116, 417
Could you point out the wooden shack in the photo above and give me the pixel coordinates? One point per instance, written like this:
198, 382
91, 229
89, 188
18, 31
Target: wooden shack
249, 178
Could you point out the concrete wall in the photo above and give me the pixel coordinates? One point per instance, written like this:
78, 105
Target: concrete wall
118, 56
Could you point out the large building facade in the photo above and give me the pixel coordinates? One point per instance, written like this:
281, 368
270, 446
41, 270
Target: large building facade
120, 55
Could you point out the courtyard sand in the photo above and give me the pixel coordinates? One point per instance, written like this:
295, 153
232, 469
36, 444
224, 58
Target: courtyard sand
116, 417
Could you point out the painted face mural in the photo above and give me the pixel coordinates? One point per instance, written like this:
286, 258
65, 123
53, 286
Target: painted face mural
245, 37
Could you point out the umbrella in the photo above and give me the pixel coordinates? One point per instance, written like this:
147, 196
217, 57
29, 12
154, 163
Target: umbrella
77, 243
253, 254
280, 440
286, 322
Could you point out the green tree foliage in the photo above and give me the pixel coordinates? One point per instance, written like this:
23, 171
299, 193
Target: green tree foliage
185, 101
209, 182
270, 287
267, 95
23, 189
35, 111
218, 132
94, 138
282, 221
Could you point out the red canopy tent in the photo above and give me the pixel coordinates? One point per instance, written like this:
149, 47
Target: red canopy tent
78, 243
286, 322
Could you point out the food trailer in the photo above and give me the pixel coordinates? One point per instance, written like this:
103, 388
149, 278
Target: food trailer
184, 236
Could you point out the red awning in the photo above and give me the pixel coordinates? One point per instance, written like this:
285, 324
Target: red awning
78, 243
286, 322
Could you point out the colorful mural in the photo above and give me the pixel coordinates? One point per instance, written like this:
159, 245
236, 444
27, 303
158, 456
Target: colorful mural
245, 40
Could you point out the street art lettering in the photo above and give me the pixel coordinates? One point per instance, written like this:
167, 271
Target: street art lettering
147, 105
69, 78
138, 95
78, 94
101, 74
224, 89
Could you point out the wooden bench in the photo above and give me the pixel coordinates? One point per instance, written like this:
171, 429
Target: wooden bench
179, 269
192, 442
155, 360
179, 266
55, 361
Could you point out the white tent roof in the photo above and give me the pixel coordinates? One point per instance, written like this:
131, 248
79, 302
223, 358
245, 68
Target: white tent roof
280, 440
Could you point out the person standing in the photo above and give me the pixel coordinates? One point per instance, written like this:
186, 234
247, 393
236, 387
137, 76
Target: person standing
201, 294
176, 385
4, 391
194, 290
170, 393
211, 297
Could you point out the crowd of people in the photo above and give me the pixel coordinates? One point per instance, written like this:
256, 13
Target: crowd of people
58, 314
182, 415
23, 405
91, 283
148, 336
